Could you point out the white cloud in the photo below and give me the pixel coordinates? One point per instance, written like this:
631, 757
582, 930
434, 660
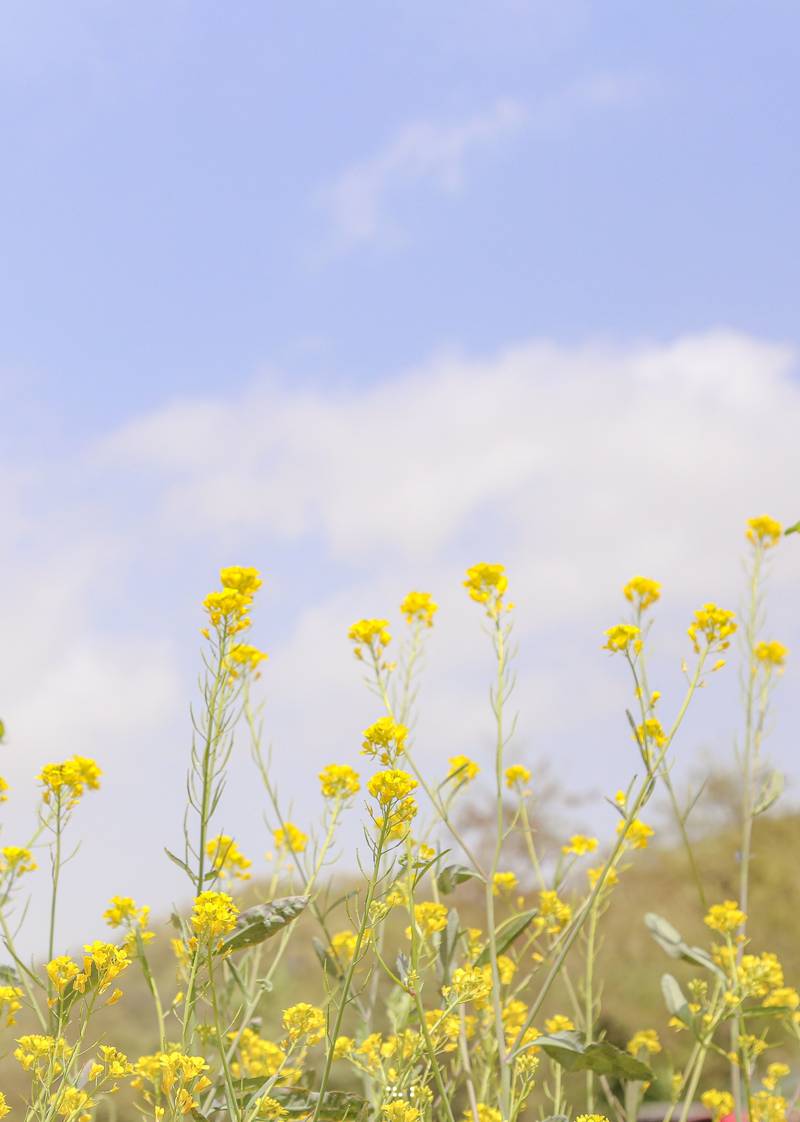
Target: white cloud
577, 466
424, 152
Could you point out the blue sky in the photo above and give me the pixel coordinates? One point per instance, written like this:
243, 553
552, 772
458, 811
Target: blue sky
362, 294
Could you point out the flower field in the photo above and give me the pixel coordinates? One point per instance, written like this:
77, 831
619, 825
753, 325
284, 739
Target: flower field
454, 976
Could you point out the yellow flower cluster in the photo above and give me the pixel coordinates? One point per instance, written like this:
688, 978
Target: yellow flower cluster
213, 915
642, 592
764, 531
470, 983
10, 1002
429, 918
725, 917
343, 945
391, 786
621, 637
372, 634
290, 837
554, 913
462, 769
517, 773
487, 584
227, 859
504, 882
579, 844
172, 1075
418, 607
66, 782
772, 654
384, 740
720, 1103
227, 609
645, 1040
304, 1021
122, 911
39, 1053
244, 658
16, 860
339, 781
716, 625
638, 835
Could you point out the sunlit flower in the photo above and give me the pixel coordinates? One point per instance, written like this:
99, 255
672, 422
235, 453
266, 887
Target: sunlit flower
645, 1040
622, 637
579, 844
720, 1103
638, 833
429, 917
244, 657
10, 1003
772, 654
642, 592
389, 786
384, 740
213, 914
304, 1021
339, 781
227, 859
716, 625
487, 585
15, 859
725, 917
504, 883
418, 607
517, 773
67, 782
559, 1023
462, 769
290, 837
372, 634
764, 531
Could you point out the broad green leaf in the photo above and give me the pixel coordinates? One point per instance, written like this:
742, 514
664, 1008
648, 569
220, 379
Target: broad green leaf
9, 976
506, 934
674, 1000
299, 1101
569, 1051
793, 529
453, 875
672, 943
262, 921
770, 792
447, 943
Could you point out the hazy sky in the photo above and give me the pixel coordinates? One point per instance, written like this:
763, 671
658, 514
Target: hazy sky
362, 294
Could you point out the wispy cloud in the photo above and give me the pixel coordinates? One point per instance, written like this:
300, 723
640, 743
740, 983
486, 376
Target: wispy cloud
424, 153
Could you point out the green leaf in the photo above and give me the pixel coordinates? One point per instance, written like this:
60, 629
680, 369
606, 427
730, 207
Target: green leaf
506, 934
674, 1000
792, 529
569, 1051
299, 1101
767, 1011
770, 792
177, 861
262, 921
453, 875
447, 942
9, 976
672, 943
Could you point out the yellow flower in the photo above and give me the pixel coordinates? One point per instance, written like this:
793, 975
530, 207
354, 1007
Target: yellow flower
471, 983
506, 969
504, 882
343, 945
486, 1113
271, 1109
594, 876
399, 1111
36, 1052
61, 971
259, 1058
10, 1002
579, 844
290, 837
227, 859
69, 780
102, 963
555, 913
16, 860
591, 1118
384, 740
72, 1102
638, 835
642, 592
429, 918
4, 1107
244, 657
339, 781
651, 732
462, 769
517, 774
725, 917
343, 1047
487, 584
227, 609
389, 786
3, 785
559, 1023
772, 654
373, 634
715, 624
304, 1020
775, 1072
764, 531
111, 1064
213, 915
418, 607
621, 637
166, 1069
720, 1103
645, 1040
122, 910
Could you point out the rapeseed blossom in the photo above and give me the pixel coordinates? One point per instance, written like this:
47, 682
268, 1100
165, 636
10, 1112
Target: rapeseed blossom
339, 781
418, 607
